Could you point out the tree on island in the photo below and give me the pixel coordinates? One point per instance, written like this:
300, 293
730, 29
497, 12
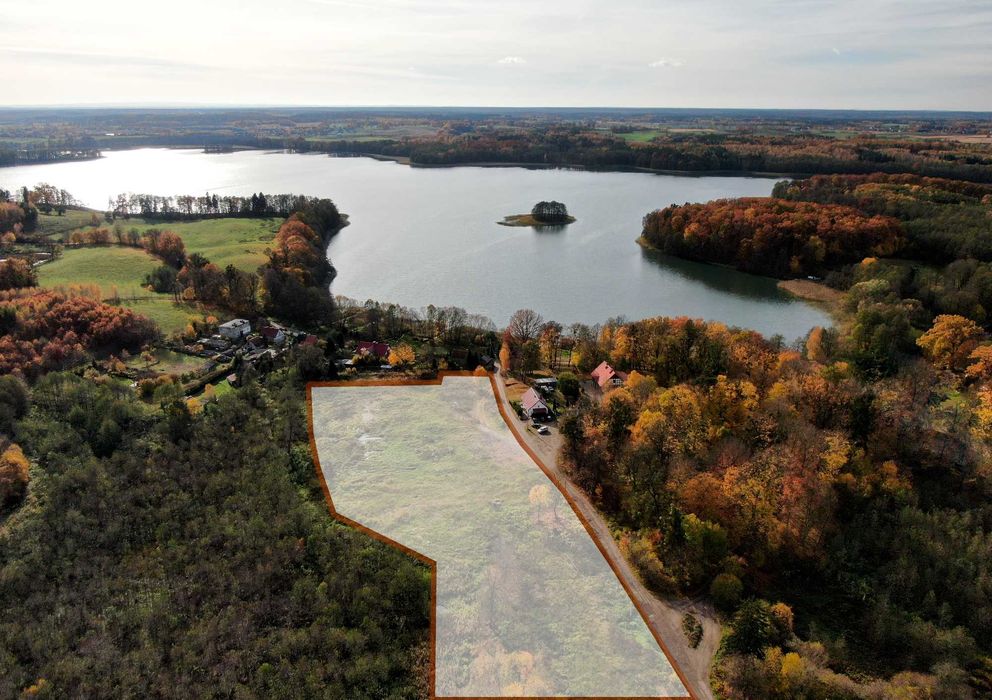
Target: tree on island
550, 213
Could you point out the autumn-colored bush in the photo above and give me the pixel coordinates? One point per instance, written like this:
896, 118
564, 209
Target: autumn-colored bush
13, 475
771, 236
16, 273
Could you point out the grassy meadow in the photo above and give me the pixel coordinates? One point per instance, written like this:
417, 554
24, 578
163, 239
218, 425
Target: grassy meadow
235, 241
118, 271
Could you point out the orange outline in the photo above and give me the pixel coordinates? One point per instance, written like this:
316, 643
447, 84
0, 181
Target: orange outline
433, 564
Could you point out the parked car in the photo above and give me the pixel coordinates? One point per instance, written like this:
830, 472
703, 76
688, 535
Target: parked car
544, 430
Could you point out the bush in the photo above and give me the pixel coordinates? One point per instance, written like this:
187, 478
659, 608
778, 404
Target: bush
693, 629
726, 591
13, 476
641, 552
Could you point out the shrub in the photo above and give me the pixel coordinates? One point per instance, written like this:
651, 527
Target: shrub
726, 591
693, 629
13, 476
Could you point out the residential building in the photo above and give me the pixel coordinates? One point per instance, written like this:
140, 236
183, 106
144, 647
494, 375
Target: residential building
606, 377
533, 404
235, 329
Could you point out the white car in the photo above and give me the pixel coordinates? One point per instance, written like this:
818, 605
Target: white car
544, 430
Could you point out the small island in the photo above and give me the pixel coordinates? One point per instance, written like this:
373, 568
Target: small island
543, 214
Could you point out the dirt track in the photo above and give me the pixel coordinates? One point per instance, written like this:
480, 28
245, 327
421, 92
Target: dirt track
664, 616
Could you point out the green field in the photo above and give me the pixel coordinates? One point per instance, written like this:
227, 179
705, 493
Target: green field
641, 136
118, 270
55, 225
110, 267
237, 241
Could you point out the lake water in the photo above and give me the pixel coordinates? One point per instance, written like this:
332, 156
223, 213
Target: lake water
423, 236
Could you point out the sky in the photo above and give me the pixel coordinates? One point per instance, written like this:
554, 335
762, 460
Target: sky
864, 54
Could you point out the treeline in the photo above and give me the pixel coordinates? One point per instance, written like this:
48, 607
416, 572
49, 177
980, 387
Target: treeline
839, 518
771, 236
295, 280
44, 330
28, 156
185, 207
162, 553
943, 219
577, 146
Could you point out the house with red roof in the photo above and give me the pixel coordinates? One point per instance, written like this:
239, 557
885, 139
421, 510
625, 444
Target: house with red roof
533, 405
380, 350
272, 334
606, 377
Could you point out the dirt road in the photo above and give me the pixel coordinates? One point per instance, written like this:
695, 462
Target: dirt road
664, 616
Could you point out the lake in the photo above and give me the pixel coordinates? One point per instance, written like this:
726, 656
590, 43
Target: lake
422, 236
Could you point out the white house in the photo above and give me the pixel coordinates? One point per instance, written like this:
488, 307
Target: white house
235, 329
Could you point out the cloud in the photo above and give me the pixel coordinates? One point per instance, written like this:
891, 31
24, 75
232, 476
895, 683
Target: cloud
836, 51
666, 63
511, 61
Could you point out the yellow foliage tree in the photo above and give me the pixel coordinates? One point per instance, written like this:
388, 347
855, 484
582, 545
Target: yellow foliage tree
402, 355
814, 346
950, 341
980, 368
13, 475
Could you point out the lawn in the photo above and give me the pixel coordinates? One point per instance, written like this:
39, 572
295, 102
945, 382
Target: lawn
120, 270
169, 362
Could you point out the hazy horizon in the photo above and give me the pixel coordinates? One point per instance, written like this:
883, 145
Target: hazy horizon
769, 54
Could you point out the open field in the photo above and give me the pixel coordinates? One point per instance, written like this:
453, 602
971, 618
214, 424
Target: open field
640, 136
112, 268
59, 226
230, 241
118, 270
436, 469
238, 242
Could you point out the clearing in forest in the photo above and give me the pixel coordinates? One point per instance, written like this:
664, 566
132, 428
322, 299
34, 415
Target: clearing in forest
525, 604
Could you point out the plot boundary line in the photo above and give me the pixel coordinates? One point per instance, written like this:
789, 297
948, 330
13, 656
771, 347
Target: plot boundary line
432, 565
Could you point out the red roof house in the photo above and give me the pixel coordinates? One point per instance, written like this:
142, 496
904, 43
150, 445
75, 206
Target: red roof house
273, 334
380, 350
534, 405
607, 377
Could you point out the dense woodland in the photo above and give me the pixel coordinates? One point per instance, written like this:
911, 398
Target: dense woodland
771, 236
944, 220
180, 553
840, 518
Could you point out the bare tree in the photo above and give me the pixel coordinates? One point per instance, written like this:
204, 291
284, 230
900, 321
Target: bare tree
524, 325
